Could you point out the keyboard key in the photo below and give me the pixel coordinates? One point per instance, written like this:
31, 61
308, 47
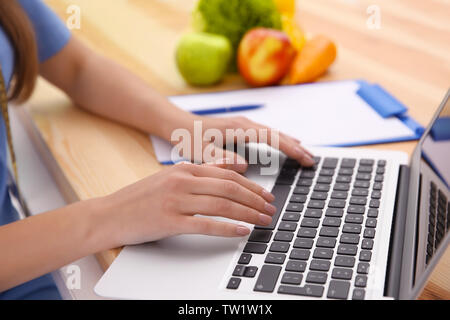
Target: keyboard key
301, 190
360, 192
338, 289
367, 162
245, 258
358, 294
352, 228
310, 222
276, 246
317, 277
361, 281
342, 273
358, 200
367, 244
233, 283
277, 258
339, 195
341, 187
281, 193
238, 271
316, 204
344, 261
297, 266
329, 232
347, 249
320, 265
319, 195
346, 172
343, 179
365, 169
326, 242
334, 212
369, 233
354, 218
299, 254
307, 174
284, 236
365, 255
324, 179
307, 290
363, 176
307, 233
330, 163
291, 216
371, 223
356, 209
292, 278
313, 213
260, 236
267, 278
331, 222
252, 247
379, 178
250, 272
326, 172
304, 182
377, 186
348, 163
303, 243
323, 253
300, 198
362, 184
374, 203
337, 203
348, 238
293, 206
322, 187
381, 163
363, 268
372, 213
376, 194
287, 226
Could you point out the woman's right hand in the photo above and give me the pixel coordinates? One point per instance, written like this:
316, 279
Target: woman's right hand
167, 204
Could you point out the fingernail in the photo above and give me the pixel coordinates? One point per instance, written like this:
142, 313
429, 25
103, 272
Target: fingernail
270, 208
268, 196
309, 160
264, 219
242, 231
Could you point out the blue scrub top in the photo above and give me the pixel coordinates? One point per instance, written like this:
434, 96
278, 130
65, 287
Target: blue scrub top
51, 36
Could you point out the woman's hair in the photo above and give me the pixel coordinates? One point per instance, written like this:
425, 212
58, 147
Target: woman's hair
18, 27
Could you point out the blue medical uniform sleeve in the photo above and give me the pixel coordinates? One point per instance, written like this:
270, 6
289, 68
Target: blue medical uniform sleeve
51, 32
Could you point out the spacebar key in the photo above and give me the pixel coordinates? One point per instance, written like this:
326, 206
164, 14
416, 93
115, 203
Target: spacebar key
308, 290
267, 278
281, 193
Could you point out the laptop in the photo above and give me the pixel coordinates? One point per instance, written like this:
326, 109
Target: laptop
360, 224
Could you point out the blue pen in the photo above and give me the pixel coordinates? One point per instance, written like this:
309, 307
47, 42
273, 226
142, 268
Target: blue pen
227, 109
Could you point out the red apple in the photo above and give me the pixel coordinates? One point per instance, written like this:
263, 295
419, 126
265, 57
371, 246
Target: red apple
264, 56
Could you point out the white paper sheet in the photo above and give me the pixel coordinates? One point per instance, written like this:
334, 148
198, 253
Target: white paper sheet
323, 114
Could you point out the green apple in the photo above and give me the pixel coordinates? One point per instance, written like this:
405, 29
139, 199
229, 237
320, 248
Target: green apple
203, 58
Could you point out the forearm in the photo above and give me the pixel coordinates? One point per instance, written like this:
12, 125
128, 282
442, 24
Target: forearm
123, 97
43, 243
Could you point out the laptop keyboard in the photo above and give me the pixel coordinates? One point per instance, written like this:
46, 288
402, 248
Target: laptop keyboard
439, 220
324, 236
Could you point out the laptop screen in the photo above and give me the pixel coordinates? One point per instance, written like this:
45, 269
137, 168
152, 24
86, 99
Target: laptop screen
433, 219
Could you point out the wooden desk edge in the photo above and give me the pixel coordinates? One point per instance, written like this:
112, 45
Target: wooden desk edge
106, 258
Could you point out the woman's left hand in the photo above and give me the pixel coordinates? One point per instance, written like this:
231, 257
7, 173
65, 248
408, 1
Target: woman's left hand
230, 160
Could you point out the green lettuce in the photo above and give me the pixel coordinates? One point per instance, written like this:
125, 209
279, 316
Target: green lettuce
233, 18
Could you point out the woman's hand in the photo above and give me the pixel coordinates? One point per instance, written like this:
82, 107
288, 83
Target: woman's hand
241, 126
166, 204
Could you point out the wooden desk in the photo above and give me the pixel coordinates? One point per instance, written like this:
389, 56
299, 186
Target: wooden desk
92, 157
